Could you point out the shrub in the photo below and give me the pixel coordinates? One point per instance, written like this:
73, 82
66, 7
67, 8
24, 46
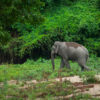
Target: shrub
93, 45
41, 45
4, 36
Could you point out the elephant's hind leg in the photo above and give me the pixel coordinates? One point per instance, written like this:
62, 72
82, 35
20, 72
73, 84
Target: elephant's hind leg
67, 63
82, 63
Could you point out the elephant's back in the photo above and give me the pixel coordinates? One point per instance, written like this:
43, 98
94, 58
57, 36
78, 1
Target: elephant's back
75, 50
75, 47
72, 44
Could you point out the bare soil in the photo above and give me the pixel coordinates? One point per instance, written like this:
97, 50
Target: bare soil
92, 89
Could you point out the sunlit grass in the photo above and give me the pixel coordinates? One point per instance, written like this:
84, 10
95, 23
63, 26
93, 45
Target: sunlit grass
42, 69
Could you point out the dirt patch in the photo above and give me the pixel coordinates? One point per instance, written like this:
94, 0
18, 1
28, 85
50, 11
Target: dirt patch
91, 89
72, 79
77, 82
94, 91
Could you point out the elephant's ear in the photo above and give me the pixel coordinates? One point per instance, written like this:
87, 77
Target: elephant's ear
57, 49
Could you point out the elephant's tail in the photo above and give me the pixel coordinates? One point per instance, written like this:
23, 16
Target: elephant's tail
87, 57
86, 52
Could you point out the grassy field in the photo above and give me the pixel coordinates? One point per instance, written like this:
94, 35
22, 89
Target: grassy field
42, 70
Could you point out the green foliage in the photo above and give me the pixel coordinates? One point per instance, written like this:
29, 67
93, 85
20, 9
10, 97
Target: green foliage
36, 24
4, 37
98, 4
40, 43
23, 28
75, 23
93, 45
26, 11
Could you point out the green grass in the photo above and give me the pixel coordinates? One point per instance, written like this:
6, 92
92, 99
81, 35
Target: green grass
42, 70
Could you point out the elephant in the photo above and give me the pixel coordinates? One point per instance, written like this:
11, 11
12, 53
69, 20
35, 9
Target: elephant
70, 51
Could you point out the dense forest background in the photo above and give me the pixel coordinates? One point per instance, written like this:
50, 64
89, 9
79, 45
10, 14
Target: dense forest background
28, 28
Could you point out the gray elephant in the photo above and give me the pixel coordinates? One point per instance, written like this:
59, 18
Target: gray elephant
70, 51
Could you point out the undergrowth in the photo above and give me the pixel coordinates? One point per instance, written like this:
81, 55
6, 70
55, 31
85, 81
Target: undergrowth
41, 70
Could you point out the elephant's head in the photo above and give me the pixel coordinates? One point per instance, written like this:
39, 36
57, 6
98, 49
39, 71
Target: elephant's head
54, 51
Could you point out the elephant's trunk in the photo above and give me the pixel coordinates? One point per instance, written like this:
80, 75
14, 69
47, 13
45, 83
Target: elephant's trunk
52, 60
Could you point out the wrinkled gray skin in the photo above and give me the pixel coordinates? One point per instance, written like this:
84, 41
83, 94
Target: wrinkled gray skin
70, 51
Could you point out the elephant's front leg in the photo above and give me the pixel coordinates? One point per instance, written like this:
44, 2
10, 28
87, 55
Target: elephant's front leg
67, 63
62, 63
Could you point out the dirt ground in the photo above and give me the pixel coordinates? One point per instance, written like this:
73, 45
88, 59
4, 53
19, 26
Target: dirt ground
92, 89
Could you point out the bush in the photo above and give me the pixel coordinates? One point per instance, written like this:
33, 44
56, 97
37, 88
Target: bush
4, 37
93, 45
40, 46
74, 23
27, 11
35, 25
